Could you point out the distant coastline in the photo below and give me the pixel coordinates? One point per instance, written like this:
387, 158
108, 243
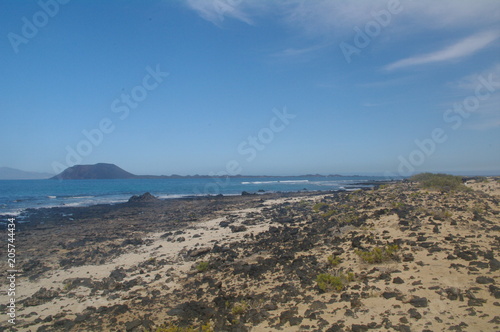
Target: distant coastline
112, 171
8, 173
239, 176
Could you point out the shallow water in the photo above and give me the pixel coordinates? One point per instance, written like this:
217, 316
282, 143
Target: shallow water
17, 195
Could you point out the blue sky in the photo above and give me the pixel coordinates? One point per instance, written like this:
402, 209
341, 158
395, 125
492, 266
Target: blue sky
251, 87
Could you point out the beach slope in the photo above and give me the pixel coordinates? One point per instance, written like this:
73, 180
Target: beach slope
400, 258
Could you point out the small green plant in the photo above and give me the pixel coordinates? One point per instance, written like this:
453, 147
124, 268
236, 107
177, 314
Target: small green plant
378, 255
239, 308
303, 203
329, 282
442, 182
208, 327
367, 228
334, 260
347, 207
477, 209
329, 213
320, 207
202, 266
348, 218
441, 214
175, 328
397, 205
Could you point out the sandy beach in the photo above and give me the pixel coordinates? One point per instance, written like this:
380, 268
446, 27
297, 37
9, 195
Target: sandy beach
397, 258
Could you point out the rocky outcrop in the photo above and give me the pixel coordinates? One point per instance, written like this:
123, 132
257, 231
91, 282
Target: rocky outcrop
146, 197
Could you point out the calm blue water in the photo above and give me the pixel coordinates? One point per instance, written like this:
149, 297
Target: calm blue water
17, 195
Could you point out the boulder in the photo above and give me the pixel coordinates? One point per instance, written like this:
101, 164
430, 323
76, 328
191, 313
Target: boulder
199, 252
419, 302
146, 197
485, 280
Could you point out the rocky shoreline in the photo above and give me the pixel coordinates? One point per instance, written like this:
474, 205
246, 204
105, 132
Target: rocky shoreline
398, 258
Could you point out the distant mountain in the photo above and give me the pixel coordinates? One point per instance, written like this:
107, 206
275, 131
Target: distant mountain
7, 173
94, 172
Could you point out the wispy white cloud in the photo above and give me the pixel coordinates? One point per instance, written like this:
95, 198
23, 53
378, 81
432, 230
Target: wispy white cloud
488, 114
295, 52
463, 48
487, 83
470, 82
216, 10
326, 16
325, 21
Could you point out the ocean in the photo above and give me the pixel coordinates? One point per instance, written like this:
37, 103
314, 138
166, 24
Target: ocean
18, 195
